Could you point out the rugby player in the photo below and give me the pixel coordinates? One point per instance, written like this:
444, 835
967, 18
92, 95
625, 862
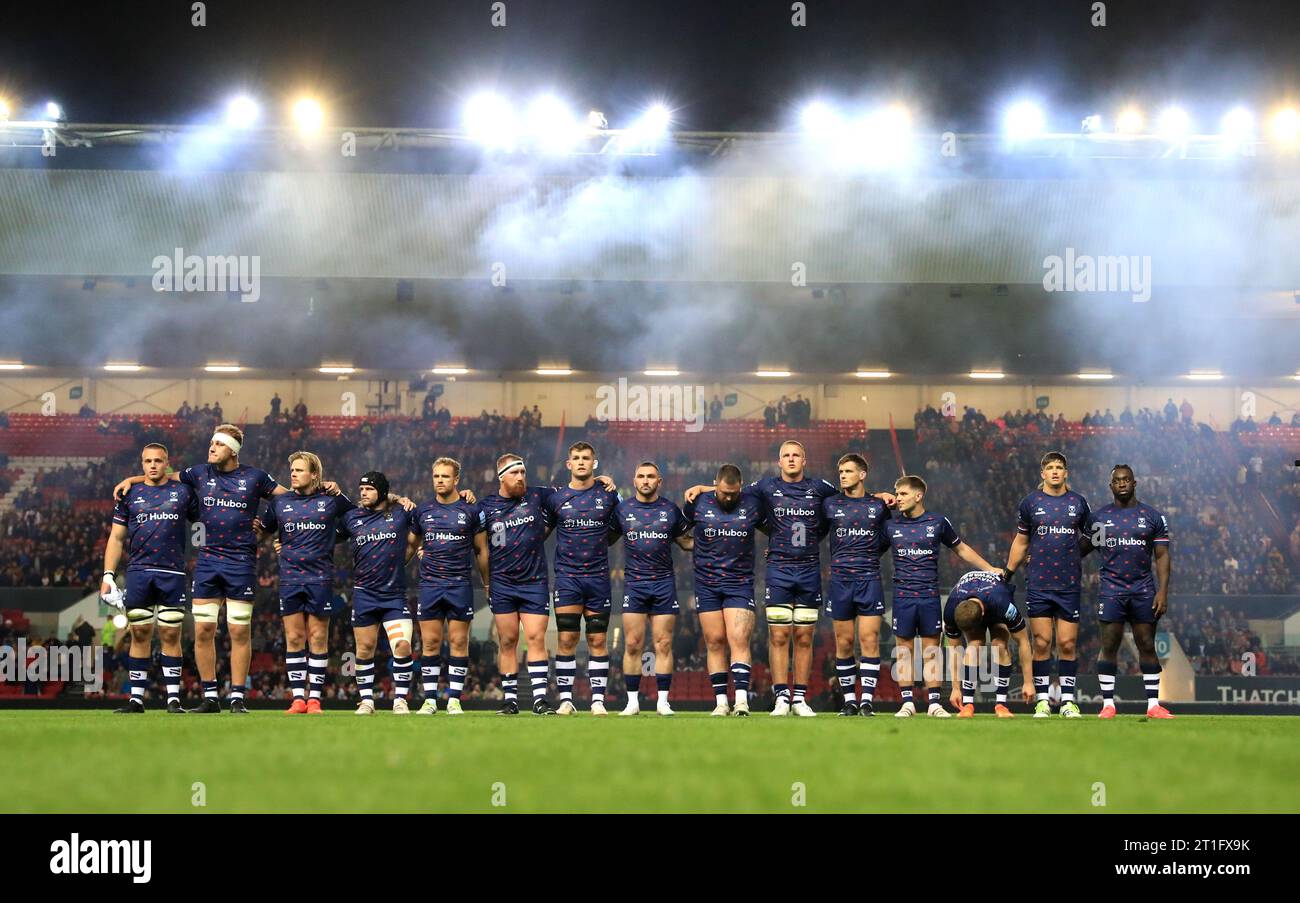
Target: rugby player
649, 525
982, 602
306, 523
378, 532
915, 536
1049, 529
581, 513
447, 533
723, 520
149, 525
1130, 536
855, 596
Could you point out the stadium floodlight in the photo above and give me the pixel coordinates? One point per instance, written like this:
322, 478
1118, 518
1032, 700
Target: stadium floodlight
663, 372
596, 120
1285, 126
1023, 120
873, 374
122, 368
820, 119
4, 110
1094, 375
1091, 124
552, 124
1238, 126
53, 111
1204, 375
223, 368
987, 374
449, 371
1129, 121
242, 112
308, 115
772, 374
490, 121
554, 371
883, 137
338, 370
11, 365
649, 128
1173, 123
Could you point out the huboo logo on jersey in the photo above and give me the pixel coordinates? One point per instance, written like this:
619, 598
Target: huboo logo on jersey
292, 527
183, 272
792, 512
1054, 530
144, 517
210, 501
854, 532
432, 536
634, 535
374, 537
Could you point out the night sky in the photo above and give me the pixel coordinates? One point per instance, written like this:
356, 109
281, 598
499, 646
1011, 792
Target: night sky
728, 66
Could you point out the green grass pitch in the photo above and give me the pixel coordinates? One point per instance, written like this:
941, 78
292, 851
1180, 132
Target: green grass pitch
94, 761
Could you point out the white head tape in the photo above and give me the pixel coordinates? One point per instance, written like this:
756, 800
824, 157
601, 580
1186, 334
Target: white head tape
227, 440
506, 468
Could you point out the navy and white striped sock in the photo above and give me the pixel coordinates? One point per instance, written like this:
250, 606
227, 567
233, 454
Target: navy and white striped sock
781, 691
846, 670
537, 675
1151, 681
933, 695
138, 675
236, 691
316, 667
510, 686
1004, 682
1106, 680
632, 684
295, 665
1067, 668
968, 676
663, 683
171, 668
739, 677
366, 678
800, 691
906, 693
718, 680
1042, 678
430, 671
566, 666
598, 674
402, 669
869, 672
210, 689
457, 668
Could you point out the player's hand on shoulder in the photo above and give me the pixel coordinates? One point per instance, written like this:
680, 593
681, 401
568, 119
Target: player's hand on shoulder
331, 487
890, 500
406, 503
469, 496
608, 482
121, 489
695, 492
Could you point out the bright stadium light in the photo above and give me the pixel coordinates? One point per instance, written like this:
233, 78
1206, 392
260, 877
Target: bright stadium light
883, 137
665, 372
490, 121
987, 374
1238, 126
1173, 123
552, 124
53, 111
223, 368
1204, 375
1024, 120
1094, 375
242, 112
772, 374
338, 370
650, 127
554, 371
1129, 121
308, 115
1285, 126
4, 110
449, 371
820, 119
122, 368
11, 365
873, 374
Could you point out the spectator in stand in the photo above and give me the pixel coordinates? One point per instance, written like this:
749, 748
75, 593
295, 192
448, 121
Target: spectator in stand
1171, 412
715, 410
769, 416
275, 406
1275, 420
184, 412
1186, 409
